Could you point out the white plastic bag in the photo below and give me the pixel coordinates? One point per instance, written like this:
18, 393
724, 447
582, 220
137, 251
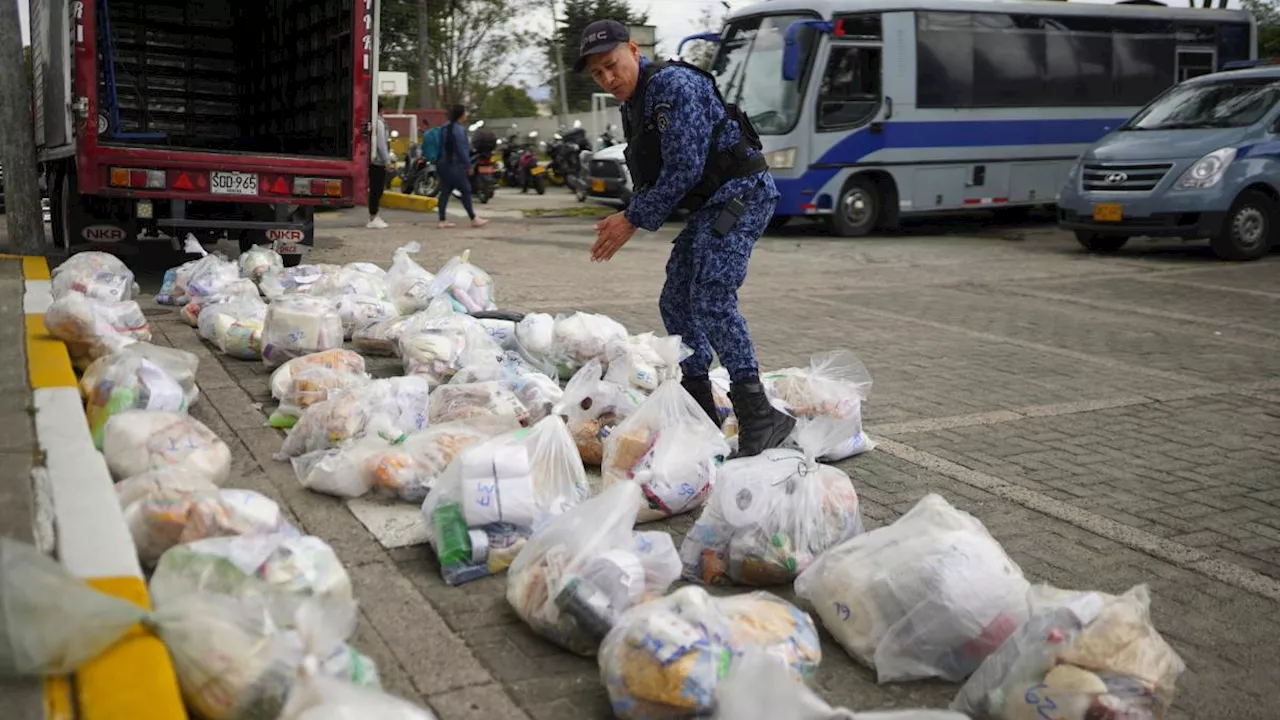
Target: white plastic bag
665, 659
96, 275
770, 516
929, 596
340, 471
492, 495
235, 327
381, 337
174, 278
390, 407
94, 328
257, 261
670, 448
451, 403
358, 311
536, 391
161, 482
409, 466
593, 408
645, 361
408, 282
467, 287
351, 281
309, 384
277, 283
828, 392
436, 348
236, 289
173, 517
535, 335
136, 441
297, 326
127, 382
580, 337
177, 364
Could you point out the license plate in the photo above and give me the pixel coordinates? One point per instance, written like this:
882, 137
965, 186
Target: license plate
486, 170
233, 183
287, 242
597, 185
1108, 212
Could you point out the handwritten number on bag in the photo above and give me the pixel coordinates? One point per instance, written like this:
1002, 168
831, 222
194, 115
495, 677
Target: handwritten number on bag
485, 491
1042, 704
843, 611
686, 490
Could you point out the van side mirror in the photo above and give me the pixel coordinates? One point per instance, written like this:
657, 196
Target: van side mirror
791, 46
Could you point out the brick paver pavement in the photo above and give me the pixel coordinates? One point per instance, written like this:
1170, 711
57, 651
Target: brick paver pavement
1113, 420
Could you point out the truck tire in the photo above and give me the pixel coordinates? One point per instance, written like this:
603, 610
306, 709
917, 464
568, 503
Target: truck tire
858, 209
1093, 242
1249, 229
66, 209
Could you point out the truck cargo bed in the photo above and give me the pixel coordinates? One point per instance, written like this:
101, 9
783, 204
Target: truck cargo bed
267, 76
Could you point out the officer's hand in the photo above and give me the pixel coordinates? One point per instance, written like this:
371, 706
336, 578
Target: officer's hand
611, 234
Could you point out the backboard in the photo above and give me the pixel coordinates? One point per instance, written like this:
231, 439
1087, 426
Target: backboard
392, 83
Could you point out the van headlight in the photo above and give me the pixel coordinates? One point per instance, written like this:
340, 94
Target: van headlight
1208, 170
781, 159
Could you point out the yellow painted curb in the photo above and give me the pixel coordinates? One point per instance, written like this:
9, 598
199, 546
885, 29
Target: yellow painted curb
48, 362
400, 201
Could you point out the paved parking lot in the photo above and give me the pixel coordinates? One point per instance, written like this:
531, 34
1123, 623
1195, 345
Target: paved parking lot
1113, 420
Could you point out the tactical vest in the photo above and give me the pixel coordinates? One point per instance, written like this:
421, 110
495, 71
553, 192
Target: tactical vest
644, 144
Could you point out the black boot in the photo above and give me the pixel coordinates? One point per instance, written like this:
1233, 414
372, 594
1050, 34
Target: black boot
760, 425
700, 389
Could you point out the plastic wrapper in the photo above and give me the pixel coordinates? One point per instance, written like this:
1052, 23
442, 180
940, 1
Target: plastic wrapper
306, 380
177, 364
409, 466
173, 517
367, 268
389, 407
644, 361
238, 288
96, 275
770, 516
930, 595
536, 391
136, 441
593, 407
535, 336
670, 448
438, 347
161, 482
198, 277
724, 406
281, 282
235, 327
381, 337
257, 261
503, 332
581, 337
94, 328
580, 571
129, 382
450, 403
665, 659
409, 282
760, 688
829, 391
358, 311
297, 326
1079, 656
467, 287
340, 471
351, 281
492, 496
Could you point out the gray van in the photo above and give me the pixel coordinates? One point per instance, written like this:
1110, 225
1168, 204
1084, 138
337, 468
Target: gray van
1200, 161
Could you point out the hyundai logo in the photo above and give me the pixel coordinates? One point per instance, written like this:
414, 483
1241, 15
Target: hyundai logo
1116, 178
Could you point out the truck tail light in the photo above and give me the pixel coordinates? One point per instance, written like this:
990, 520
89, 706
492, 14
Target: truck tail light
276, 186
139, 179
317, 187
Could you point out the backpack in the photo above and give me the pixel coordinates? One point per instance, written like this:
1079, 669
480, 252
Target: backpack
431, 143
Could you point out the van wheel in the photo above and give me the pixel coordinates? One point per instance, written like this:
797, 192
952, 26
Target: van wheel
1248, 230
858, 209
1093, 242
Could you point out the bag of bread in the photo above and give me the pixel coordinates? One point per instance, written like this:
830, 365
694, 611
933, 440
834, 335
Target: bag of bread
450, 403
670, 448
297, 326
665, 659
645, 361
593, 407
578, 338
1080, 655
829, 391
930, 595
580, 571
771, 515
135, 441
410, 465
493, 494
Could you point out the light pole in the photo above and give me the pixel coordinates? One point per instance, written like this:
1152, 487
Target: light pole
555, 38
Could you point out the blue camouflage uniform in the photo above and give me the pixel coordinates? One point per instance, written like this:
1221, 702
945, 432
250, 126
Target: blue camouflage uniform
699, 301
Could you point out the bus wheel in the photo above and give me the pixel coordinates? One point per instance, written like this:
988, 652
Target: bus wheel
1247, 232
858, 209
1099, 243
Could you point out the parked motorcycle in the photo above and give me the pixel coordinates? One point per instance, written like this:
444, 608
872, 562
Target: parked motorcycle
568, 159
607, 138
418, 177
484, 179
531, 173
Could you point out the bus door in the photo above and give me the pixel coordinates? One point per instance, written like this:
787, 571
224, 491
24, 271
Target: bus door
849, 99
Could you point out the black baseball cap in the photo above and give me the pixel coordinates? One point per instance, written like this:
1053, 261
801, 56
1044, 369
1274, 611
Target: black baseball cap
600, 36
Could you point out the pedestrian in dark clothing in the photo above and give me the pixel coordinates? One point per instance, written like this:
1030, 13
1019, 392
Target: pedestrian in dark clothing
379, 156
455, 167
688, 149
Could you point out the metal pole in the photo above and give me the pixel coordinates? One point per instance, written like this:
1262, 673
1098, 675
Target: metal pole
555, 36
17, 144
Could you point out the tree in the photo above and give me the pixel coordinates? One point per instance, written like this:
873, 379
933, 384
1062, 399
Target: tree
577, 14
426, 91
701, 52
507, 101
1267, 13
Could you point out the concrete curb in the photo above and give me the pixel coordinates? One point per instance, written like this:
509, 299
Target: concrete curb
400, 201
134, 679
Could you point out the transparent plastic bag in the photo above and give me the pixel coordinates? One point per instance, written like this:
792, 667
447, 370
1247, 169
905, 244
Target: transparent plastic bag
381, 337
129, 382
335, 359
309, 384
297, 326
96, 275
359, 311
930, 595
317, 697
367, 268
593, 407
390, 406
536, 391
580, 571
724, 406
437, 348
235, 327
760, 688
277, 283
210, 275
467, 287
408, 282
1080, 655
173, 517
493, 494
535, 337
257, 261
645, 361
161, 482
340, 471
830, 391
177, 364
94, 328
770, 516
409, 466
348, 281
236, 289
450, 403
174, 278
581, 337
665, 659
135, 441
670, 448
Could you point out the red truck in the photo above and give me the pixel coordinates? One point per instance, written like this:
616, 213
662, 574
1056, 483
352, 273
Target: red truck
159, 118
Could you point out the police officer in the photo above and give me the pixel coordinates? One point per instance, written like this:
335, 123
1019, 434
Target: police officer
688, 149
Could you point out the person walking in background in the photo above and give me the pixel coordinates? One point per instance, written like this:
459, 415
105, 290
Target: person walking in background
379, 156
455, 166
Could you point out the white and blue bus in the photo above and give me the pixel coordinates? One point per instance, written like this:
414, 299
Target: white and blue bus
871, 110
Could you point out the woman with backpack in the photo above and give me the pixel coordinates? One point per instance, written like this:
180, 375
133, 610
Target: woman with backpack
454, 167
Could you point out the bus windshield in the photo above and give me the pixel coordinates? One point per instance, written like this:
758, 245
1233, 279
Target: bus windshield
748, 69
1220, 104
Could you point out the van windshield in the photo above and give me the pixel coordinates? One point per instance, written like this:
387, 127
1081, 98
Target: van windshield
748, 69
1220, 104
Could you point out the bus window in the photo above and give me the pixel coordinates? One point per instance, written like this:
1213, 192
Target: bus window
850, 91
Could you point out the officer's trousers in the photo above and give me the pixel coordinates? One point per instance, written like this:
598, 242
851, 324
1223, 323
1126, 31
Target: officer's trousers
699, 301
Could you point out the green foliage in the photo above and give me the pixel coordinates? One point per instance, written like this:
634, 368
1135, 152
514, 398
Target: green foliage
701, 52
507, 101
574, 18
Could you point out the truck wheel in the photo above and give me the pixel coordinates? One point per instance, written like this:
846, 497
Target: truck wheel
1249, 228
1093, 242
858, 209
67, 210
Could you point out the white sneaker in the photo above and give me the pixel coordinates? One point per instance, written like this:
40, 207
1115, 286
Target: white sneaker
376, 224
